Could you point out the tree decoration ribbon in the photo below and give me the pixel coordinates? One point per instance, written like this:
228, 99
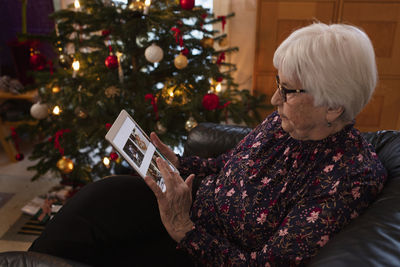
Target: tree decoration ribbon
178, 35
223, 21
15, 138
221, 58
59, 134
153, 101
51, 67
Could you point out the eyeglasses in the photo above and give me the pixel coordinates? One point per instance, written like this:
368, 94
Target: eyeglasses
284, 91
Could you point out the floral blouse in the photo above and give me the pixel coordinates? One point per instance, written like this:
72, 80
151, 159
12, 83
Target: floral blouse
274, 200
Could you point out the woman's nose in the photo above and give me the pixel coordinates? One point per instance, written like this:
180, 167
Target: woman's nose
276, 98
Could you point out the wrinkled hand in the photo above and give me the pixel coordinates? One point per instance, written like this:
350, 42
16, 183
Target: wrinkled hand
164, 149
174, 204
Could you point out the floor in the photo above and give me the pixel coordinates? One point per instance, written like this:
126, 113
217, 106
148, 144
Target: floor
15, 178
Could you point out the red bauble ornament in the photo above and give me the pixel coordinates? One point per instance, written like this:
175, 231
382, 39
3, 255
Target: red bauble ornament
19, 156
187, 4
105, 33
210, 101
111, 62
113, 156
37, 61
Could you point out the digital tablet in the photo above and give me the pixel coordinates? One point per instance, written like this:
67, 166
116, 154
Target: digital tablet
126, 136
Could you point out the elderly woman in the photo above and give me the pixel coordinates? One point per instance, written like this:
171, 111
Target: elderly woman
299, 177
274, 200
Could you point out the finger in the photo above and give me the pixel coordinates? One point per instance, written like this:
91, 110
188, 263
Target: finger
166, 172
154, 187
189, 181
156, 140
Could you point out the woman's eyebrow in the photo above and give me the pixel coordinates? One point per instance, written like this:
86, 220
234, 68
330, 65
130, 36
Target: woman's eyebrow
286, 85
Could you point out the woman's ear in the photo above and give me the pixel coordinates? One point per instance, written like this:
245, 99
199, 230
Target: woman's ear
332, 113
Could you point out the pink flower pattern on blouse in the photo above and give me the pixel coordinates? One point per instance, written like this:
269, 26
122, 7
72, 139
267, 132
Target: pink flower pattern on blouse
274, 200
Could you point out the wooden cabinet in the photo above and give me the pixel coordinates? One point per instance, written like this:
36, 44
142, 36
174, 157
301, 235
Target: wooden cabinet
380, 20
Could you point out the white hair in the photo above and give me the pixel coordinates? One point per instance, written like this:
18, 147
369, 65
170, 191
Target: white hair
334, 63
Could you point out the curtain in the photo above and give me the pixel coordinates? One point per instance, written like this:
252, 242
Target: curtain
241, 31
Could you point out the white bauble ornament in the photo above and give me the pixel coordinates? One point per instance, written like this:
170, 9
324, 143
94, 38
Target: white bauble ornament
39, 111
180, 61
154, 53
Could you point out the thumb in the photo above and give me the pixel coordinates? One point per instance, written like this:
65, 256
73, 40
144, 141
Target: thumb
189, 181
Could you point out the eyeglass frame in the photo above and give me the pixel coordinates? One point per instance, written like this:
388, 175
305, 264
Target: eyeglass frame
283, 91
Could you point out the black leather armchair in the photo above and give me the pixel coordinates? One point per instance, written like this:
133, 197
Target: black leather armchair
373, 239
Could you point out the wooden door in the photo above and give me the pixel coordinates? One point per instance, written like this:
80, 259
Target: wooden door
380, 20
277, 19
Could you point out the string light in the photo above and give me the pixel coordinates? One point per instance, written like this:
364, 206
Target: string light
218, 88
106, 161
75, 66
77, 5
147, 4
56, 110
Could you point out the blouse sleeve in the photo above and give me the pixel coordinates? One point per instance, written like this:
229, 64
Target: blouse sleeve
202, 167
307, 227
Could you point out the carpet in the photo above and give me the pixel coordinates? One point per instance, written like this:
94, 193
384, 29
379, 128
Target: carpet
25, 229
4, 197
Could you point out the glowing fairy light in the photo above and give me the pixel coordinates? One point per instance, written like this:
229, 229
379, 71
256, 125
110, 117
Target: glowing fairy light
77, 5
56, 110
75, 66
218, 88
147, 4
106, 161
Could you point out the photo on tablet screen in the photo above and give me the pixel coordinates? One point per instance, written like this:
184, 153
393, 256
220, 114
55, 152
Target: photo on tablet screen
155, 173
138, 138
133, 152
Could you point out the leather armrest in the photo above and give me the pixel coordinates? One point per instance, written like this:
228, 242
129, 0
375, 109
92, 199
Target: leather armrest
35, 259
212, 139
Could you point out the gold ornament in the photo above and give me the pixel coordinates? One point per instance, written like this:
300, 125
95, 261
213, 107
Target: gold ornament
81, 113
175, 94
207, 42
160, 128
180, 61
112, 91
65, 165
223, 42
136, 5
190, 124
55, 89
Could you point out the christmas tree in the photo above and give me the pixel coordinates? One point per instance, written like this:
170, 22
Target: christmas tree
154, 59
